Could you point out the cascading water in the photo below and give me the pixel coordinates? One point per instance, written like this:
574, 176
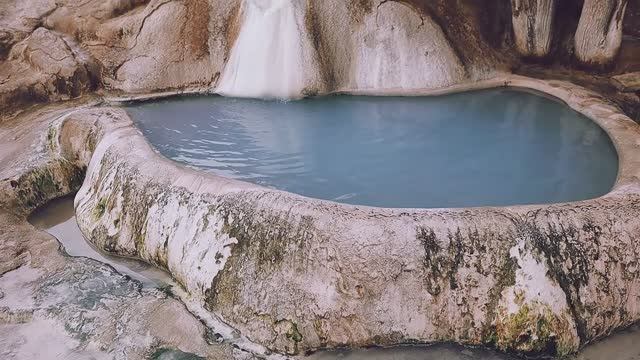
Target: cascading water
271, 57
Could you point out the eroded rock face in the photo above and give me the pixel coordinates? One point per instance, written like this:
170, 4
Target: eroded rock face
140, 46
149, 45
18, 19
397, 47
599, 32
46, 66
532, 26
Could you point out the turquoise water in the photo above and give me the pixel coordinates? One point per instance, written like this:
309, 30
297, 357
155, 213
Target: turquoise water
492, 147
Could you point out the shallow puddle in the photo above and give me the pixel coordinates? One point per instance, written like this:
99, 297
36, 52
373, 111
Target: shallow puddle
434, 352
57, 218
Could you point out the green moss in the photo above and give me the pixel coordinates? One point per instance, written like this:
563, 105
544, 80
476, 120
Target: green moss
52, 139
100, 208
293, 333
534, 329
265, 236
274, 241
37, 187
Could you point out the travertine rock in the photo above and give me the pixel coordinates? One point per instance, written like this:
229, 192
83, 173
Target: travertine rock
394, 46
53, 305
19, 18
46, 66
533, 26
296, 274
367, 46
628, 82
599, 32
389, 45
141, 46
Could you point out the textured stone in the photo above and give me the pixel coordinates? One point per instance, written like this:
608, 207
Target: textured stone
533, 26
599, 32
72, 307
291, 273
628, 82
46, 66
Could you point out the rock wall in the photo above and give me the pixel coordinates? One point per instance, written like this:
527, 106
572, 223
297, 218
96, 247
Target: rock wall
141, 46
390, 45
149, 45
397, 47
46, 66
632, 19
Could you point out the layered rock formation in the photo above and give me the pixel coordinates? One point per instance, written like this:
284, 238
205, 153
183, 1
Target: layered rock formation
533, 26
599, 32
152, 45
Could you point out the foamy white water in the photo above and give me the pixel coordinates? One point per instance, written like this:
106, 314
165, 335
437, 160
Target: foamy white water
268, 58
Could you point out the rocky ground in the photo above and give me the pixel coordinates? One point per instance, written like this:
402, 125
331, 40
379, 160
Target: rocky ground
56, 306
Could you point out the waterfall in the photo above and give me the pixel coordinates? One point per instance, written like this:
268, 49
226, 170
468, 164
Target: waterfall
271, 57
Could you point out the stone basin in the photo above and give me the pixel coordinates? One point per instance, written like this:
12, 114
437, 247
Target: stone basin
296, 274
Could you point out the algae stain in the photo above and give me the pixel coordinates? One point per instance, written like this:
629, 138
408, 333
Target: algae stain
173, 354
293, 333
534, 330
52, 139
100, 208
36, 187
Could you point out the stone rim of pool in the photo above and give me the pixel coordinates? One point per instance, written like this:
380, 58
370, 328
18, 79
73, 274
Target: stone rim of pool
371, 275
202, 140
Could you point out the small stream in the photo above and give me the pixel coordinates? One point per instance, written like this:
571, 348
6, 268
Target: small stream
57, 218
